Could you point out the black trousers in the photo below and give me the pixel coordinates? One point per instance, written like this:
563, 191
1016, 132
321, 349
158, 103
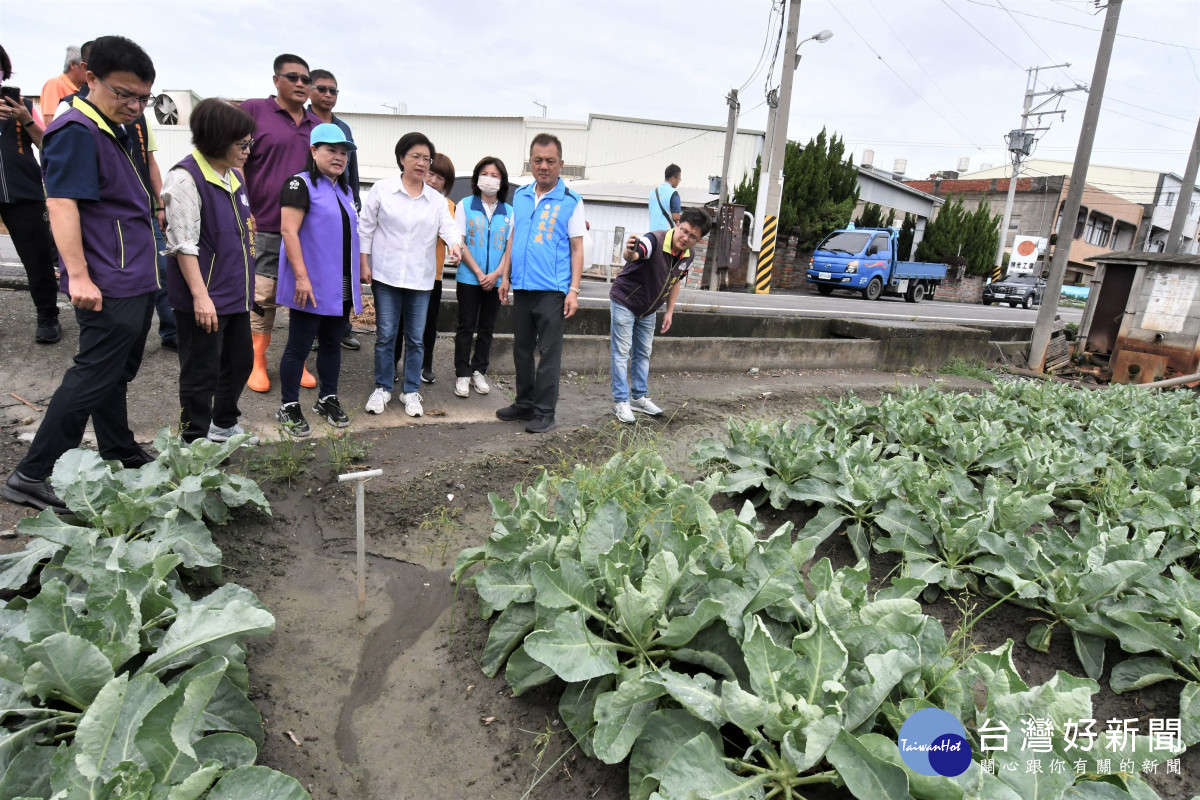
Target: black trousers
29, 226
538, 325
477, 310
430, 338
303, 328
213, 369
111, 341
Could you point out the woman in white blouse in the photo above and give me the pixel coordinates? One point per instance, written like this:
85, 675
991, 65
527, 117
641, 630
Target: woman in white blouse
400, 223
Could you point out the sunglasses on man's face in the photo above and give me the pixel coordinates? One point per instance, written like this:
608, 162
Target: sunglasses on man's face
295, 77
326, 90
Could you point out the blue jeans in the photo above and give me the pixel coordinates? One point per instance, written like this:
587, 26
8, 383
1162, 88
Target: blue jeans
629, 333
166, 315
394, 306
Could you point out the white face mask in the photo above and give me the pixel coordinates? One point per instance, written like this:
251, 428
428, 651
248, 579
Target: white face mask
488, 185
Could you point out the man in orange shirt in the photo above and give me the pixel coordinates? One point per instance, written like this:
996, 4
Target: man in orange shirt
60, 86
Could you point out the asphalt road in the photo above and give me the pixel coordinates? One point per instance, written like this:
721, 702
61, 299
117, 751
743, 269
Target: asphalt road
840, 304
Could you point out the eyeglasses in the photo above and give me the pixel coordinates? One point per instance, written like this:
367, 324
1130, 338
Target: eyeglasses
326, 90
295, 77
244, 146
128, 98
420, 158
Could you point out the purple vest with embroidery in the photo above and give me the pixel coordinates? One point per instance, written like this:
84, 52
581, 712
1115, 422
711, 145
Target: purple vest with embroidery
226, 252
321, 244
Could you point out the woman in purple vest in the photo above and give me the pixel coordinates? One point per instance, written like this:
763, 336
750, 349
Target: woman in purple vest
318, 274
210, 271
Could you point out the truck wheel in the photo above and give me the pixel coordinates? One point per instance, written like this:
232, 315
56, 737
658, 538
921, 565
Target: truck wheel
1027, 302
825, 290
873, 290
915, 294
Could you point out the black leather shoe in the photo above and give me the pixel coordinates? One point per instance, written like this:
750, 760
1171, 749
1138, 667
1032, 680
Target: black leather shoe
170, 344
541, 424
138, 459
27, 491
514, 413
49, 331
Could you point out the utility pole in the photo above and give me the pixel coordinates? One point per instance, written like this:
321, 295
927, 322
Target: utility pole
764, 172
1020, 145
766, 256
721, 251
1083, 156
1175, 237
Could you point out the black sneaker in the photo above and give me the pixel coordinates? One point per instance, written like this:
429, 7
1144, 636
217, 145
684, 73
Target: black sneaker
138, 459
541, 424
351, 342
27, 491
49, 331
292, 418
329, 407
427, 376
514, 413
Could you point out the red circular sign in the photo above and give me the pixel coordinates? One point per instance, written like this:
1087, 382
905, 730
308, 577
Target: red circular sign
1027, 248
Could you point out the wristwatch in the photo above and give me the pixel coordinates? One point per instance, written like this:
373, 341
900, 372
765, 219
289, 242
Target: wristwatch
574, 289
28, 124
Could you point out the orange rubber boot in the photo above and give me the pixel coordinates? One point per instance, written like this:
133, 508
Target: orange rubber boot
307, 380
258, 380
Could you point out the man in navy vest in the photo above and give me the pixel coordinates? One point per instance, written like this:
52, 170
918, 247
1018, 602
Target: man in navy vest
101, 215
543, 276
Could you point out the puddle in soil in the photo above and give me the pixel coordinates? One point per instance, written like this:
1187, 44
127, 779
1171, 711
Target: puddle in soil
418, 597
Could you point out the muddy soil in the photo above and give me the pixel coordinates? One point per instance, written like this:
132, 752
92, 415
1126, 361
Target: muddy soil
393, 705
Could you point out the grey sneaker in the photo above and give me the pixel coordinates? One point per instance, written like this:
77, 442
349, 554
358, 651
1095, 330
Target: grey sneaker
351, 342
216, 434
292, 418
624, 412
646, 406
479, 383
329, 407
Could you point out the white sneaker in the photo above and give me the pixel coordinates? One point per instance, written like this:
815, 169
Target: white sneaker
412, 403
378, 401
623, 411
462, 386
480, 383
646, 406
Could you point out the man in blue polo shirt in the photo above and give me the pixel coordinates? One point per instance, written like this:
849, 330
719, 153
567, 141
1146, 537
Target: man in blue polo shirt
544, 276
664, 201
101, 215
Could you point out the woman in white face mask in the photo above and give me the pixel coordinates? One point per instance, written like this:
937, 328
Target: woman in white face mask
485, 222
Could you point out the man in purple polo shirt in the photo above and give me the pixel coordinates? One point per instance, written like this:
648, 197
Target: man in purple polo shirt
101, 215
280, 151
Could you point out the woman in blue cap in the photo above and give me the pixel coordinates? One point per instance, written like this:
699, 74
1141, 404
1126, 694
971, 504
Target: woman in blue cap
318, 275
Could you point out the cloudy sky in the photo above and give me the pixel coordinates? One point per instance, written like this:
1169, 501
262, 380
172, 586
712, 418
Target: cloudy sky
929, 81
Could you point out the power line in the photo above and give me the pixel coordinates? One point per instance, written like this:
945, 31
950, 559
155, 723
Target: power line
997, 48
758, 65
900, 77
1083, 27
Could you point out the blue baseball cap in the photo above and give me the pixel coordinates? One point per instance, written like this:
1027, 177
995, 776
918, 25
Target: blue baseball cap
328, 133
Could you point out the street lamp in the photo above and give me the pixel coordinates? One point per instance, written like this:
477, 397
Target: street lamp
774, 146
821, 38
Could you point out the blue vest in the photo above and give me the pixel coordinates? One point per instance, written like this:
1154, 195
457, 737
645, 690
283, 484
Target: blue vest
486, 238
541, 254
118, 240
226, 253
662, 195
321, 244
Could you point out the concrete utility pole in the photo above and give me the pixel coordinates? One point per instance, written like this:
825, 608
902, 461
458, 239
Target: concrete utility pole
766, 256
1083, 157
1175, 237
764, 171
1020, 145
722, 249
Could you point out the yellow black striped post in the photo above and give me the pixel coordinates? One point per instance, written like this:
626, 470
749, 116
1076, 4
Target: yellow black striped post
996, 273
766, 256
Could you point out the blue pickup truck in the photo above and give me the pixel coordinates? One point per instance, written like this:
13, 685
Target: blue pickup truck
864, 260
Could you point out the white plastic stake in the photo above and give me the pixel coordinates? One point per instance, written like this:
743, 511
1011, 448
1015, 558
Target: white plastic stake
360, 531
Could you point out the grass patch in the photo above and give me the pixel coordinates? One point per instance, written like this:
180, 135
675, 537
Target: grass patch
968, 369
